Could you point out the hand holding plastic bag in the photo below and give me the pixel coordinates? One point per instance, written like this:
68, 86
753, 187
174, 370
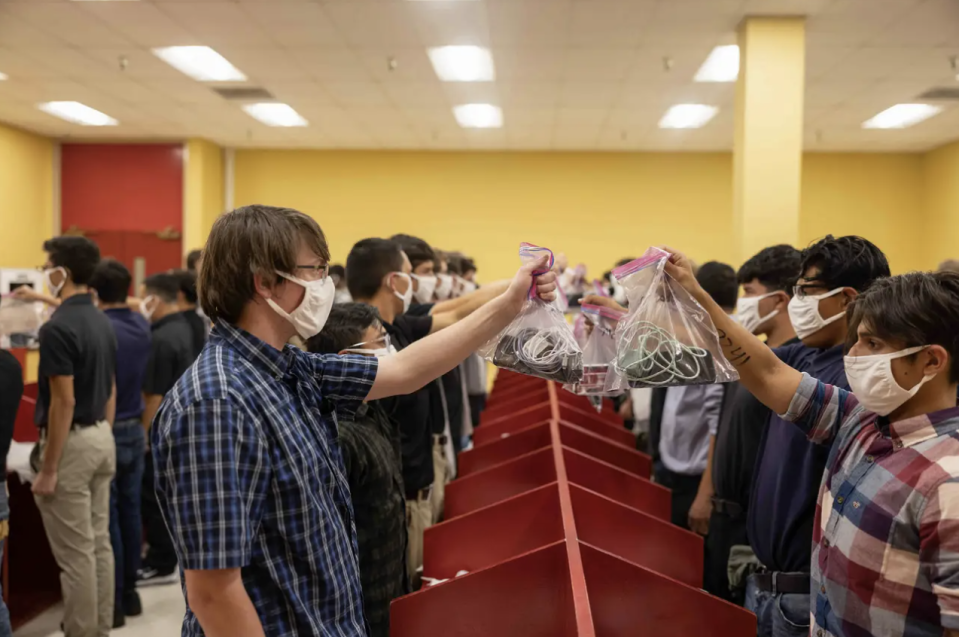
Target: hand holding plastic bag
667, 338
538, 342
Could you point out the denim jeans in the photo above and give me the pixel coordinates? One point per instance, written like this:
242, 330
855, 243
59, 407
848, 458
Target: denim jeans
126, 527
779, 615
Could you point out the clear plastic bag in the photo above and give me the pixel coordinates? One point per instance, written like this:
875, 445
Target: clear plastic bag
538, 342
667, 338
19, 321
598, 352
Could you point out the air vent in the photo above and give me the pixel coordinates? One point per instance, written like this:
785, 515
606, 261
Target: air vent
941, 93
244, 93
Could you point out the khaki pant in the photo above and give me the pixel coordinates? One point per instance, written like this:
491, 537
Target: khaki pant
419, 517
77, 522
440, 478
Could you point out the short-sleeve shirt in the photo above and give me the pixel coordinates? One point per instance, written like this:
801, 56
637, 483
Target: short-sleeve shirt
249, 475
789, 469
77, 341
133, 352
886, 534
413, 412
171, 353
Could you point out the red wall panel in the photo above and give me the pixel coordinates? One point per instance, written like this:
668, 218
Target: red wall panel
127, 187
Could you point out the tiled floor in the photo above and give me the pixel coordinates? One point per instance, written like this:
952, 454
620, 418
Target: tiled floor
162, 617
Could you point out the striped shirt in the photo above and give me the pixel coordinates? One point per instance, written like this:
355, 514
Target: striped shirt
886, 538
249, 476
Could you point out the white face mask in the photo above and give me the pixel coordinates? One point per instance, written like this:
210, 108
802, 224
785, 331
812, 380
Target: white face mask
871, 380
619, 293
425, 286
145, 308
406, 297
747, 309
310, 317
804, 313
47, 277
444, 286
468, 287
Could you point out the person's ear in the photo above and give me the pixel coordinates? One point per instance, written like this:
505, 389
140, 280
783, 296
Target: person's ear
848, 296
937, 360
264, 286
342, 352
782, 300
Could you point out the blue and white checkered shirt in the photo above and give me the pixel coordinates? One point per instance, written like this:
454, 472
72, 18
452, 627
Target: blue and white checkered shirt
249, 476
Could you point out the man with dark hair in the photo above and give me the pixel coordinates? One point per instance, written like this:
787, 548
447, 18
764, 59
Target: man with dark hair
370, 444
111, 281
338, 276
379, 274
885, 515
767, 280
782, 507
187, 304
423, 261
683, 423
250, 479
171, 353
76, 405
193, 260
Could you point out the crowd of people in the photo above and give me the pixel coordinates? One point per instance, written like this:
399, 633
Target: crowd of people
285, 436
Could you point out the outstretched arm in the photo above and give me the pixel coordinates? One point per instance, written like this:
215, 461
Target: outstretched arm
433, 356
444, 316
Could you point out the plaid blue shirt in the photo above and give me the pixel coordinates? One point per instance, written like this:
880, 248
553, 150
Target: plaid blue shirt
249, 476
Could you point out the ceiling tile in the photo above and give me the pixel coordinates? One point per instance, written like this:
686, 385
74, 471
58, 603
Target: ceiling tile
217, 23
609, 24
530, 63
330, 64
397, 65
589, 94
356, 93
295, 24
416, 94
530, 93
530, 22
374, 24
140, 22
450, 23
67, 22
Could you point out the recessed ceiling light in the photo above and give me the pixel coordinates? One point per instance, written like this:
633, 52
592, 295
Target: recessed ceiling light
462, 63
478, 116
687, 116
275, 114
3, 76
77, 113
201, 63
902, 116
722, 65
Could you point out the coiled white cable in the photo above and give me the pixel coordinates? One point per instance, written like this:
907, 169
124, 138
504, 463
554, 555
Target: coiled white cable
650, 355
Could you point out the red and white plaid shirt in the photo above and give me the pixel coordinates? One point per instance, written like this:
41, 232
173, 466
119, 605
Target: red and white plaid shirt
885, 558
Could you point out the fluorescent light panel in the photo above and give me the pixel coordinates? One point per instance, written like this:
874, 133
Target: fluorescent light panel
902, 116
77, 113
478, 116
275, 114
687, 116
462, 63
201, 63
3, 76
722, 65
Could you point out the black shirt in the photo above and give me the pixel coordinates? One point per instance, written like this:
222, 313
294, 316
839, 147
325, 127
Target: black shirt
370, 445
171, 353
197, 326
78, 341
451, 383
412, 412
11, 389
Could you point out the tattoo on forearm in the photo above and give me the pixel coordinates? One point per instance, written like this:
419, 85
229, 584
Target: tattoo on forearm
737, 355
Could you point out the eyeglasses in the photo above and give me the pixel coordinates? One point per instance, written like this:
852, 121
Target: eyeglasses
385, 340
318, 272
810, 289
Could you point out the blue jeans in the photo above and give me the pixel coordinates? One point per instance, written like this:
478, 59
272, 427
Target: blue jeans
779, 615
126, 528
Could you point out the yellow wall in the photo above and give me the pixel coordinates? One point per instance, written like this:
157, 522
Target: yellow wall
877, 196
203, 191
940, 170
596, 207
26, 197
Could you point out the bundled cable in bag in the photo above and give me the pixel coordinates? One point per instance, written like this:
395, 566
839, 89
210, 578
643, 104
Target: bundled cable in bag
667, 338
538, 342
598, 351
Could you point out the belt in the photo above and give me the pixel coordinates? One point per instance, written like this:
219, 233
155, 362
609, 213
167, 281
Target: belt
422, 494
127, 422
73, 427
440, 440
789, 583
728, 507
